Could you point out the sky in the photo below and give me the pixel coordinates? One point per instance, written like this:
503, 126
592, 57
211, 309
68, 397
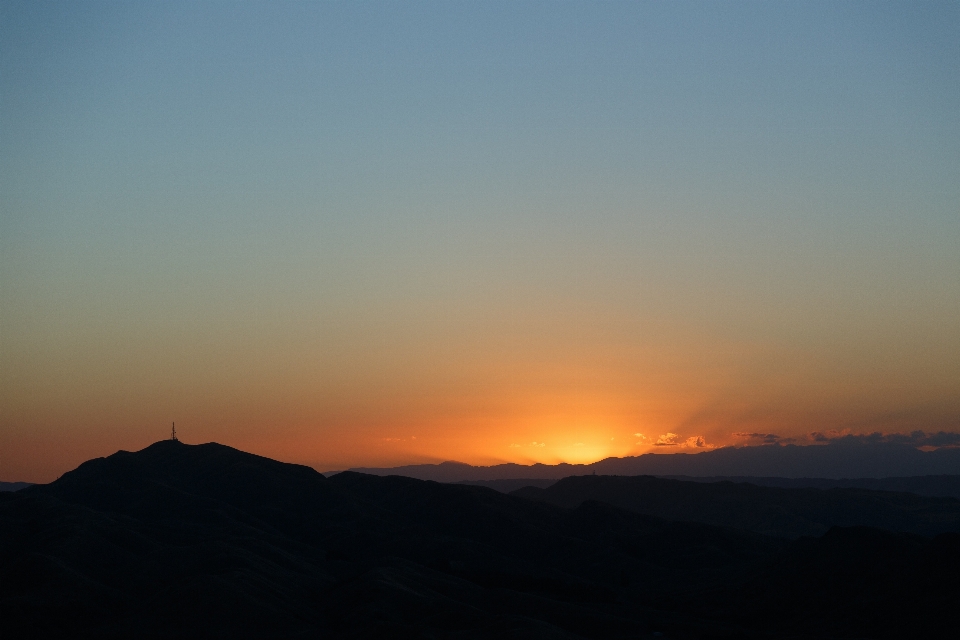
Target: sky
352, 233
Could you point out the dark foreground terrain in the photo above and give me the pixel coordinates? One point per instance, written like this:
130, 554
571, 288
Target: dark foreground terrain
13, 486
180, 541
775, 511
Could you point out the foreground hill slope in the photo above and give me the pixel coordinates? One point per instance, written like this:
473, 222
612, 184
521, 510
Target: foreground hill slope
206, 541
937, 486
775, 511
14, 486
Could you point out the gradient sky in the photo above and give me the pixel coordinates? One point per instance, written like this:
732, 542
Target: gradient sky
380, 233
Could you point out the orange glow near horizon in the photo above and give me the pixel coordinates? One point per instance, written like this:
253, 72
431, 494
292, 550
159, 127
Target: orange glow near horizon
505, 396
522, 422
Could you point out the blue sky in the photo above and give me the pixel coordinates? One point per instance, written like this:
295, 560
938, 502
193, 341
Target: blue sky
331, 222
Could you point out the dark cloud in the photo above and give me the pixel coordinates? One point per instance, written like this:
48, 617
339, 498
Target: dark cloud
762, 438
943, 439
914, 438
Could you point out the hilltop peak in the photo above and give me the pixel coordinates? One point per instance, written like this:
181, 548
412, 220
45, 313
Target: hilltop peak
169, 470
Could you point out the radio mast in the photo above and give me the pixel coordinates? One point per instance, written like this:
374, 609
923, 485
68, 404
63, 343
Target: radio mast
173, 432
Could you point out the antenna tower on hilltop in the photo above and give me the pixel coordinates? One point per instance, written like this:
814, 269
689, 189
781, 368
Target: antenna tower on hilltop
173, 433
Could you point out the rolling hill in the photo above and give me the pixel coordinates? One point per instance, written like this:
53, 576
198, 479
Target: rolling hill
180, 541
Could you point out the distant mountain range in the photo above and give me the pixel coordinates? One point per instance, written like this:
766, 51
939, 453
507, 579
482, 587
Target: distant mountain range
774, 511
13, 486
836, 460
941, 486
180, 541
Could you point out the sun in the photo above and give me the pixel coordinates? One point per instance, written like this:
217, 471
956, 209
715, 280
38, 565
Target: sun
582, 452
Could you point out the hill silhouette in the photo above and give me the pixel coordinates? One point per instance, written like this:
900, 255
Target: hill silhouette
836, 460
14, 486
775, 511
511, 484
207, 541
940, 486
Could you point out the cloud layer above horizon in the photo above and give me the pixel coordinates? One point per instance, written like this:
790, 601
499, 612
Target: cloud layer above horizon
361, 234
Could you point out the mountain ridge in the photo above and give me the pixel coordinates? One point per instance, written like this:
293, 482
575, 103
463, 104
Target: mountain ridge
14, 486
836, 460
197, 541
774, 511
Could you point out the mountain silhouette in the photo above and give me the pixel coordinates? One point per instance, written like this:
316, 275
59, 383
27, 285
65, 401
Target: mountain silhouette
836, 460
511, 484
181, 541
14, 486
774, 511
938, 486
